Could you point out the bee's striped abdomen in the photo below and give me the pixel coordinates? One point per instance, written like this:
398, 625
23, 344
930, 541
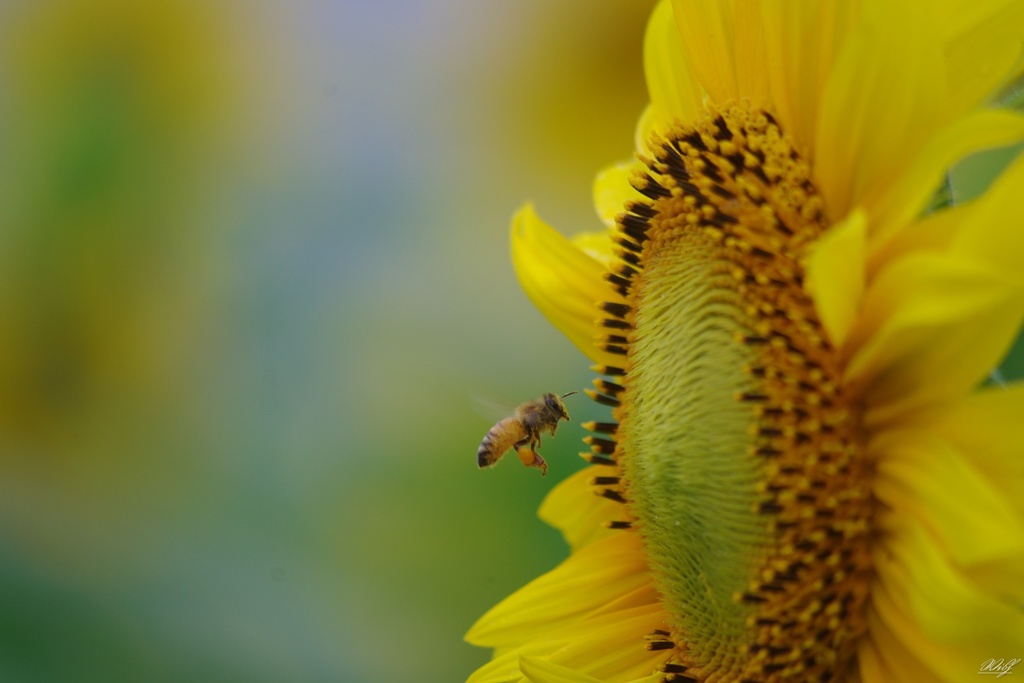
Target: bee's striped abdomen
499, 439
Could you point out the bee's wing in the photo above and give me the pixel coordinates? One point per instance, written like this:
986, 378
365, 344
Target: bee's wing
490, 408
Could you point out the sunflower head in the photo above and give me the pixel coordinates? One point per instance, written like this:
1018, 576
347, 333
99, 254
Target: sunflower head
739, 451
791, 348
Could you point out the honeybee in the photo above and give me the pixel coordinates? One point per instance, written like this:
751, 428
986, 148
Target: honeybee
522, 431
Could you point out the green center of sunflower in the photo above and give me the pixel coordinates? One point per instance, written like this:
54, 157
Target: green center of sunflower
739, 452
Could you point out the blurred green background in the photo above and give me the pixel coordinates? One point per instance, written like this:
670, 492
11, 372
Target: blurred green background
254, 273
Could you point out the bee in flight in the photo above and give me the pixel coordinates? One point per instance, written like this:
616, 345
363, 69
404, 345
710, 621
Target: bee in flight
522, 431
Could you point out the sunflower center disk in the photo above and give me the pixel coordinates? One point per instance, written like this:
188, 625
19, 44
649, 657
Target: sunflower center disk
740, 454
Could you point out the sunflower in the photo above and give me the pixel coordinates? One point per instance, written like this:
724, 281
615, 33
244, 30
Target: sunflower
805, 478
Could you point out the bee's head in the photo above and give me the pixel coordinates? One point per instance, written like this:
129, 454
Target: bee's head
555, 404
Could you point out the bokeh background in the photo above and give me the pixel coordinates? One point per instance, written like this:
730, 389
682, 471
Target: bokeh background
254, 287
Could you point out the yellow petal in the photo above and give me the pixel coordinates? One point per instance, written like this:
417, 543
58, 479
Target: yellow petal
1004, 577
645, 596
886, 107
573, 509
879, 105
561, 280
671, 82
725, 45
949, 623
870, 664
983, 50
835, 271
544, 671
608, 647
994, 230
988, 425
596, 245
932, 327
504, 667
931, 233
897, 204
646, 127
892, 660
708, 30
612, 190
588, 579
801, 41
965, 512
750, 54
611, 646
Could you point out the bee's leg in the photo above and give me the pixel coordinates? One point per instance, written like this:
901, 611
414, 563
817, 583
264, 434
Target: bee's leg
531, 458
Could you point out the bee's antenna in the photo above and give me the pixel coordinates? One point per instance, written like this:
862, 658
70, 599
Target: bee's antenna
570, 393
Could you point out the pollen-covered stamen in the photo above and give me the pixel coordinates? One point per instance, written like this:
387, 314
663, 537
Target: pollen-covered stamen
611, 494
602, 398
607, 387
617, 326
608, 486
618, 524
620, 311
617, 339
602, 427
594, 459
660, 645
738, 446
679, 678
617, 349
673, 668
599, 445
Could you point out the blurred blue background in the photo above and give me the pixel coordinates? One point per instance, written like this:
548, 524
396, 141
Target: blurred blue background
253, 272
